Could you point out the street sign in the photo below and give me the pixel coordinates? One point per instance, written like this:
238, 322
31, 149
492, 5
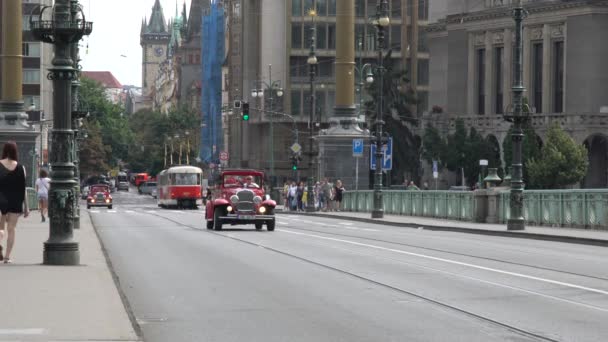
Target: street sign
387, 152
296, 148
357, 147
223, 155
435, 171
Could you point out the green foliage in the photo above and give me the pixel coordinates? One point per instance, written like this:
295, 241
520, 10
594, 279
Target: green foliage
531, 149
435, 147
93, 153
398, 99
561, 162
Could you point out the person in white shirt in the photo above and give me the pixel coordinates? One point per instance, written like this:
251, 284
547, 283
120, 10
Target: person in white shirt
42, 191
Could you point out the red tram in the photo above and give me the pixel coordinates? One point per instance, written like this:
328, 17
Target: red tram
180, 186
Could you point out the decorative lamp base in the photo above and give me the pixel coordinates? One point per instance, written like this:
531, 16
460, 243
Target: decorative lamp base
61, 254
377, 214
77, 222
515, 224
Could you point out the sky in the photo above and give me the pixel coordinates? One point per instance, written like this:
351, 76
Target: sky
114, 43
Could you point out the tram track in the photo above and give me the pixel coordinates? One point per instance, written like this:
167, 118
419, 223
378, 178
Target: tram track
442, 304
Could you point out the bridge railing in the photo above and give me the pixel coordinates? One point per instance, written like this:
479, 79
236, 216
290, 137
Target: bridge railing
584, 208
455, 205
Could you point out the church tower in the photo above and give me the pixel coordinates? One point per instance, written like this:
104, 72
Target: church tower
154, 40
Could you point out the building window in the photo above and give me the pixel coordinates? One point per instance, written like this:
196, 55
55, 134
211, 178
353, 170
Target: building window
190, 59
296, 36
360, 8
197, 59
331, 36
321, 36
537, 76
296, 8
29, 100
423, 72
498, 79
31, 49
26, 23
481, 81
31, 76
558, 77
322, 8
395, 42
396, 9
308, 5
320, 103
325, 67
423, 9
423, 101
331, 8
296, 102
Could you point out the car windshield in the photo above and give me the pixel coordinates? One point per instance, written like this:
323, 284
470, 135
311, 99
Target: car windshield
242, 181
96, 189
151, 185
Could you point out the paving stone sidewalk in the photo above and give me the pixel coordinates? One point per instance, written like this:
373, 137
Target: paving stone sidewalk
60, 303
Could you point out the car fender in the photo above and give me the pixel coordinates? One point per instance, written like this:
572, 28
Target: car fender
211, 205
269, 203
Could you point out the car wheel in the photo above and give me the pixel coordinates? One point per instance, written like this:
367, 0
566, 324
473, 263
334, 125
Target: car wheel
88, 207
209, 224
270, 225
109, 207
258, 226
217, 222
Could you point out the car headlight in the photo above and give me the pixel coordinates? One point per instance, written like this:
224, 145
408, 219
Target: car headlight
262, 210
257, 200
234, 199
229, 208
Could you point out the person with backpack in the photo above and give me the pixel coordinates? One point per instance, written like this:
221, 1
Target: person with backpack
42, 192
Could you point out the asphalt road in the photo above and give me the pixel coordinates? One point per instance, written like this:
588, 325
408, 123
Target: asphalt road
321, 279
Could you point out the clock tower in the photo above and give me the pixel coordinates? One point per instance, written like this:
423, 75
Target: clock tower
154, 39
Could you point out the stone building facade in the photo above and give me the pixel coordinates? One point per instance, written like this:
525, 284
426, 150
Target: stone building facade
565, 70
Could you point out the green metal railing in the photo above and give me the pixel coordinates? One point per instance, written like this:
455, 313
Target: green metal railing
32, 199
570, 208
455, 205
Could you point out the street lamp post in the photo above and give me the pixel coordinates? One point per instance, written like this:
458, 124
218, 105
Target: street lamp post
516, 220
64, 29
381, 22
271, 86
312, 63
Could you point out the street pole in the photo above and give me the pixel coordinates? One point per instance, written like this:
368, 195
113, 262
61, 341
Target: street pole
516, 220
312, 63
382, 21
270, 100
76, 117
63, 30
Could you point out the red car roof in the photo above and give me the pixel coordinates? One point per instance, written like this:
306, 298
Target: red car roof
243, 172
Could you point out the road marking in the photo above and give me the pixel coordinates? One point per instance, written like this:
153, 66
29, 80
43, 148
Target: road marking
111, 211
520, 275
129, 211
34, 331
346, 223
94, 211
151, 211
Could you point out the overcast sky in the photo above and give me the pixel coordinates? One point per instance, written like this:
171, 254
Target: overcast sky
116, 27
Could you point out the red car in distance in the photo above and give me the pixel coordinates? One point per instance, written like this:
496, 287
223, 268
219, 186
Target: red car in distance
99, 196
240, 199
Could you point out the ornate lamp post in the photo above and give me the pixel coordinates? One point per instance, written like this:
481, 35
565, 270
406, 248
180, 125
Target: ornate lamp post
382, 21
65, 28
272, 87
516, 203
312, 63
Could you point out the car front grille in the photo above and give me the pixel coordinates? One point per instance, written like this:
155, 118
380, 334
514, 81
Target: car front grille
245, 201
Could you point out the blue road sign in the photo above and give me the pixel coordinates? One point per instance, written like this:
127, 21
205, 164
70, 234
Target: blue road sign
387, 159
357, 147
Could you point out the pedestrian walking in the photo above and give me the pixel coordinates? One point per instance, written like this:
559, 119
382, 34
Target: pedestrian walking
300, 196
12, 197
292, 196
413, 186
42, 192
338, 191
326, 189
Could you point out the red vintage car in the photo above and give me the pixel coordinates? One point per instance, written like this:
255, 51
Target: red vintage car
240, 199
99, 196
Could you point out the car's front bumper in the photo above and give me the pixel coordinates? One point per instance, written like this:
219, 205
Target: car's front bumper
246, 219
99, 204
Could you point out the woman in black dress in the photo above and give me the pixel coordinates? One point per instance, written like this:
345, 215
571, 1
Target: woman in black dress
12, 196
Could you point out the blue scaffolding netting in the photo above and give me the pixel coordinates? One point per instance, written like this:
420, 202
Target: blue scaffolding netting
211, 97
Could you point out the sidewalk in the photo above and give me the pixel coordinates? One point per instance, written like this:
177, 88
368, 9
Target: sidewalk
60, 303
561, 234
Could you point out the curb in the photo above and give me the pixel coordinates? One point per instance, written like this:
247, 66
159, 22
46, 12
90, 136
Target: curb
478, 231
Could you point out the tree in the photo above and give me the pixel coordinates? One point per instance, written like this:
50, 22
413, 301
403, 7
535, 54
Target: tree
561, 162
531, 148
398, 117
93, 153
434, 146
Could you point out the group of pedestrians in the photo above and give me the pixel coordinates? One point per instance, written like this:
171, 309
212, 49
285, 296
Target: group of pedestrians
327, 196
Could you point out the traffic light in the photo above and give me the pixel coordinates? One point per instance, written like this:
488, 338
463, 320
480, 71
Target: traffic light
245, 111
295, 160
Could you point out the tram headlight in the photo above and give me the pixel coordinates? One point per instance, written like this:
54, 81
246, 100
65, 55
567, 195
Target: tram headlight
234, 199
262, 210
257, 200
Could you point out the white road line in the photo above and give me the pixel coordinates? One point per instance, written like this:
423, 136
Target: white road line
34, 331
94, 211
151, 211
346, 223
129, 211
520, 275
111, 211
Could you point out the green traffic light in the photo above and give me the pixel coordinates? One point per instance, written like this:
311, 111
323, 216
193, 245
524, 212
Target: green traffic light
294, 168
246, 117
